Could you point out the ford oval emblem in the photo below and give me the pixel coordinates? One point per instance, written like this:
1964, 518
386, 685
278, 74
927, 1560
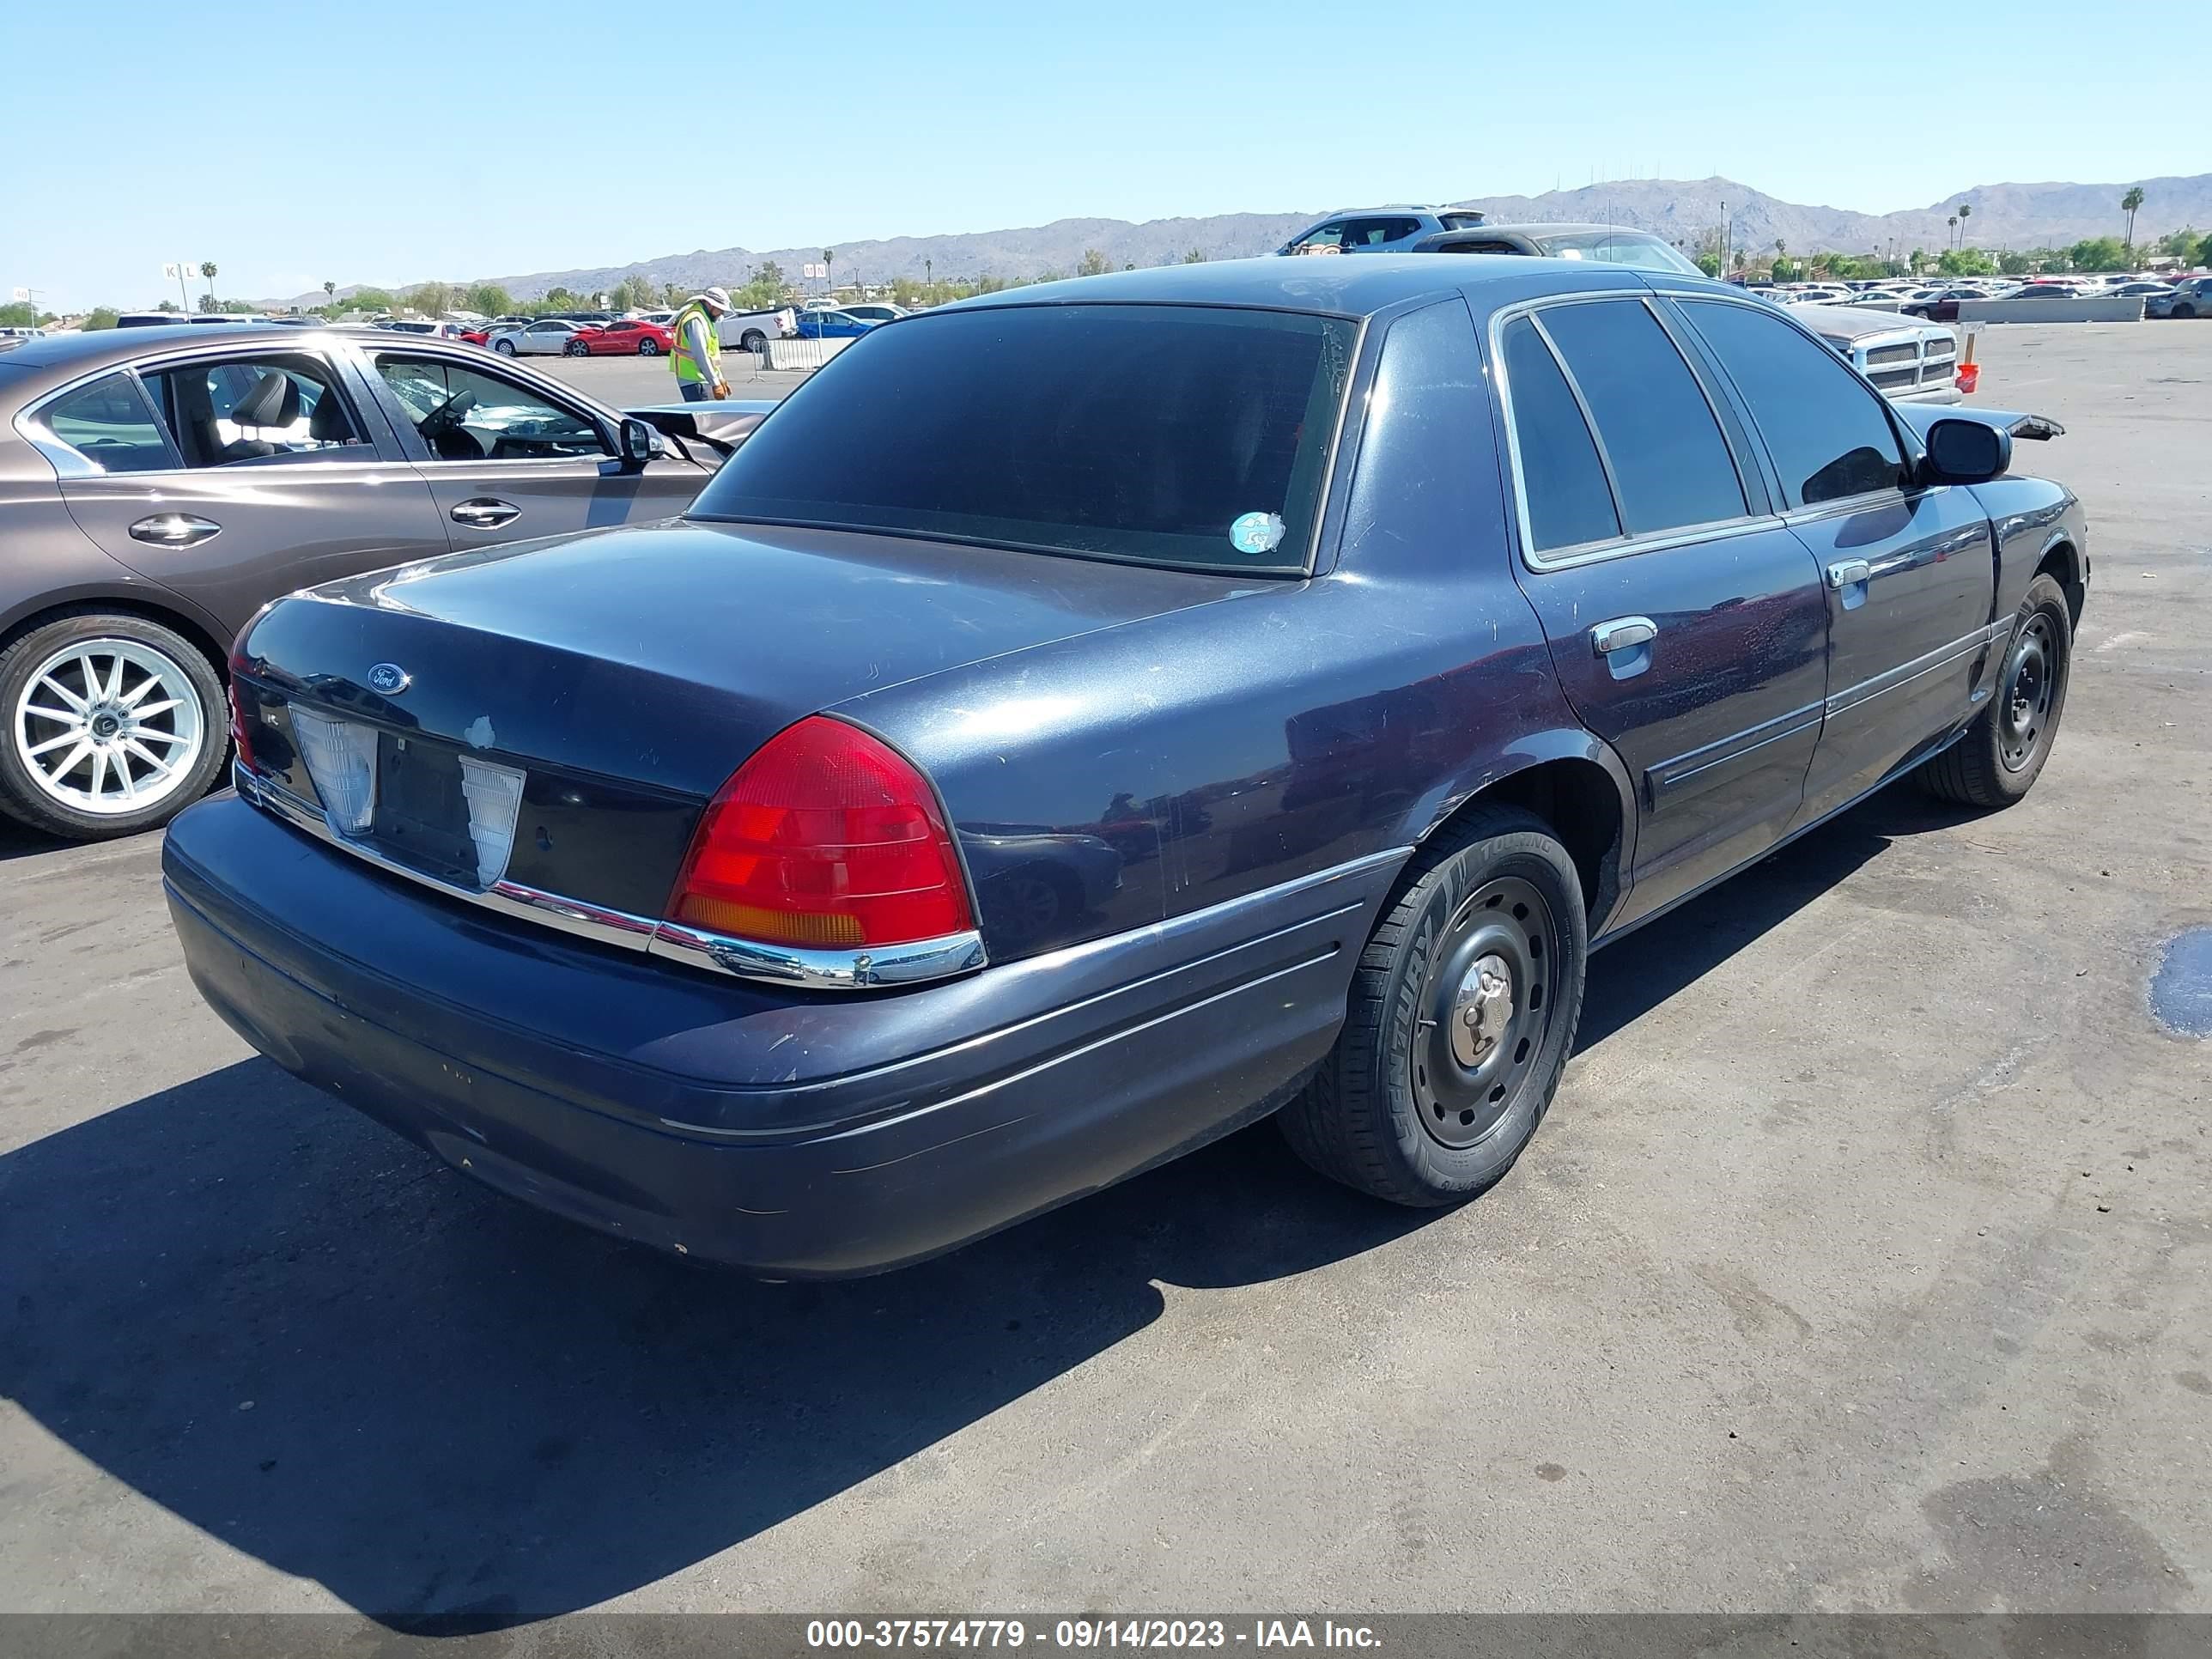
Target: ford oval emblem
389, 679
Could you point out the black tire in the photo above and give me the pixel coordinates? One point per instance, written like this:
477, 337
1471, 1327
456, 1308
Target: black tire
2002, 754
1394, 1111
753, 341
648, 348
23, 796
2183, 311
576, 349
505, 348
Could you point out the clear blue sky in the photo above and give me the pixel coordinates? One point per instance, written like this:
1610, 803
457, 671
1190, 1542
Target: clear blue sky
397, 142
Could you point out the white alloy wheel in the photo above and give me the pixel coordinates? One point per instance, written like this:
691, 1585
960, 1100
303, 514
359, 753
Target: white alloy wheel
108, 726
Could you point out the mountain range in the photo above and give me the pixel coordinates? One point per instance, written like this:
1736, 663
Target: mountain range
2003, 215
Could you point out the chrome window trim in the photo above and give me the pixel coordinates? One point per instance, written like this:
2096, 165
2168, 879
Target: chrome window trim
1614, 547
747, 959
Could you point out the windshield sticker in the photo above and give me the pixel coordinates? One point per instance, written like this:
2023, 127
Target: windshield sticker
1257, 532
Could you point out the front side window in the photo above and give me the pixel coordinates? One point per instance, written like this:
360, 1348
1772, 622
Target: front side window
109, 425
1825, 429
249, 409
1563, 489
467, 414
1185, 436
1328, 235
1670, 464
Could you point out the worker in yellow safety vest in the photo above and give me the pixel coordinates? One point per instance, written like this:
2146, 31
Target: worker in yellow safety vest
696, 353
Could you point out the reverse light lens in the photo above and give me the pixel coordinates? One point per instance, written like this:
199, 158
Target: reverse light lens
827, 839
494, 794
341, 758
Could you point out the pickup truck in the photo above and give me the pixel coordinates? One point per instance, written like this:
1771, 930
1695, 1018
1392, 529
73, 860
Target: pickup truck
751, 331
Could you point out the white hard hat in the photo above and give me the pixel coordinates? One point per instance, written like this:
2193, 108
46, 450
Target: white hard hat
717, 297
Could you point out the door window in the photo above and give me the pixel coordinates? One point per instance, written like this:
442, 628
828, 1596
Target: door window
1563, 484
107, 425
253, 409
1826, 430
1669, 462
468, 414
1328, 235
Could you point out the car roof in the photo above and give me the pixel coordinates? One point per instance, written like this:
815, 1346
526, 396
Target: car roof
93, 347
1357, 285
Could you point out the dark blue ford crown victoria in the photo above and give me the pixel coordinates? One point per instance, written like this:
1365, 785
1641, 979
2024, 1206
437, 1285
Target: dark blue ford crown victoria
1075, 725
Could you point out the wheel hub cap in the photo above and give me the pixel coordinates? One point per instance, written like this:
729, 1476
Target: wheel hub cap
1483, 1011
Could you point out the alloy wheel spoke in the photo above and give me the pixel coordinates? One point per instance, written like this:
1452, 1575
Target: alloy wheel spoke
47, 682
162, 769
69, 761
154, 708
123, 773
132, 700
115, 681
69, 717
98, 787
74, 735
145, 734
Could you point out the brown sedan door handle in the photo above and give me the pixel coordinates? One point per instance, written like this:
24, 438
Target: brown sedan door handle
486, 513
175, 530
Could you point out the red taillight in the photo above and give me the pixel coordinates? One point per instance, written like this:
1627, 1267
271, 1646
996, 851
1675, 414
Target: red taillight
240, 736
826, 840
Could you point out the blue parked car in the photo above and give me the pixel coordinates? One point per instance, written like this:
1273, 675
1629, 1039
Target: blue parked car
1377, 230
822, 324
1081, 722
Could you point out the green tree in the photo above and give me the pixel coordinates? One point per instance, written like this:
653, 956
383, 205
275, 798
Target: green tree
330, 291
99, 317
168, 305
2099, 254
431, 299
208, 306
2129, 204
560, 298
2204, 252
2015, 262
371, 299
491, 300
1092, 263
207, 269
19, 314
2177, 244
1965, 262
830, 268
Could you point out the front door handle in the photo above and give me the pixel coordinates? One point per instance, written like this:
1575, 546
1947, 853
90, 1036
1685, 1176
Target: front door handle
1624, 634
1849, 573
486, 513
175, 530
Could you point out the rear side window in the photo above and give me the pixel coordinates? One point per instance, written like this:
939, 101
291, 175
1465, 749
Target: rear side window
1161, 435
1562, 482
1669, 462
110, 424
1825, 429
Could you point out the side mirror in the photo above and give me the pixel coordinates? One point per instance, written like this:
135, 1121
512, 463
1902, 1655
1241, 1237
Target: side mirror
639, 443
1966, 452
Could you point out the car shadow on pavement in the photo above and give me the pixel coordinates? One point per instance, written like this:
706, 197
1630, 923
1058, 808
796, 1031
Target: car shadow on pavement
327, 1350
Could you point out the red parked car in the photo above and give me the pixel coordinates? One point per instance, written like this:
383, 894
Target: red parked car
629, 336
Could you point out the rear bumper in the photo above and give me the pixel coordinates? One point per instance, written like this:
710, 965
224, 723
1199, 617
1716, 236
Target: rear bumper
795, 1134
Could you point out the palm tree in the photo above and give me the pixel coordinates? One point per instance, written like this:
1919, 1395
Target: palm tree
2129, 204
1965, 212
330, 290
207, 269
829, 277
1953, 223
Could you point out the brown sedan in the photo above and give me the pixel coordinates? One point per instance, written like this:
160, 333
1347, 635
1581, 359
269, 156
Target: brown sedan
158, 486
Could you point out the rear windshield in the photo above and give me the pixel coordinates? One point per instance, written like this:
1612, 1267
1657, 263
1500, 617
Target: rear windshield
1184, 436
1613, 247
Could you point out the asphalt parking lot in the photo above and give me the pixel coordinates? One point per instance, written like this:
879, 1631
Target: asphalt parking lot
1864, 1262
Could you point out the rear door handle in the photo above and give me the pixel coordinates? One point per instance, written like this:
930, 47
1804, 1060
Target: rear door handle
175, 530
1622, 634
1849, 573
486, 513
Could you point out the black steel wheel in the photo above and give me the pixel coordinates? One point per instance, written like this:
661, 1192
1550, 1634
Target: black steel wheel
1459, 1021
1997, 759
